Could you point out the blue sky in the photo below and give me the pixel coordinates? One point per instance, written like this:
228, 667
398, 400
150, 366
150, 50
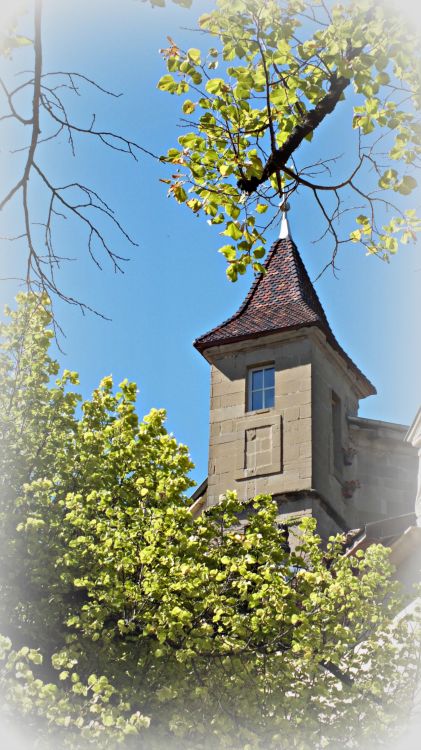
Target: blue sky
174, 287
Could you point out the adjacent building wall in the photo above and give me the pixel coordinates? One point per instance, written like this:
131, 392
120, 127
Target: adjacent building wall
413, 437
376, 476
385, 468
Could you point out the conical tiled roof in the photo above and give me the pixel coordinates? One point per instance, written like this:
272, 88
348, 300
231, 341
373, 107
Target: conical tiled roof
281, 299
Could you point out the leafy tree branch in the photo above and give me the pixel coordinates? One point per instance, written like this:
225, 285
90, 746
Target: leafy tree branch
286, 67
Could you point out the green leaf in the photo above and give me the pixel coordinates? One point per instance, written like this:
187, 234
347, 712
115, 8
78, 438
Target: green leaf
228, 251
179, 193
407, 185
232, 273
167, 83
233, 230
188, 107
215, 86
22, 41
194, 55
232, 210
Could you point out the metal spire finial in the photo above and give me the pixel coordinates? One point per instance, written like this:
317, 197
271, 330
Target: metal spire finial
284, 231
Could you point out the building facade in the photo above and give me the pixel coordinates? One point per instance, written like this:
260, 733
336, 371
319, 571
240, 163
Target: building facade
284, 411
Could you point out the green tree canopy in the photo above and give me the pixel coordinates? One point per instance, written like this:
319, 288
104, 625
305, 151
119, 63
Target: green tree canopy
127, 619
284, 68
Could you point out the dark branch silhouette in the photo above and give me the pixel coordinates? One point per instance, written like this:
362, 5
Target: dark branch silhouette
75, 200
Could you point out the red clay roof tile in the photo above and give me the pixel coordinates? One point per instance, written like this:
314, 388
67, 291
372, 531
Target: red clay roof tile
283, 298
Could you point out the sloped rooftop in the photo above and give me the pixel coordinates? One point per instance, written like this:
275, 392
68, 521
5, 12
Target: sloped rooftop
282, 299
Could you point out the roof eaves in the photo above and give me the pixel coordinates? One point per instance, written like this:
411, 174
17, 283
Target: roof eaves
201, 346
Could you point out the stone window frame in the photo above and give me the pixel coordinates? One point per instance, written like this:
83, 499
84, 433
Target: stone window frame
254, 368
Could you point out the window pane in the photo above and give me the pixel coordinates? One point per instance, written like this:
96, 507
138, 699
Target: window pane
269, 377
269, 397
256, 380
257, 400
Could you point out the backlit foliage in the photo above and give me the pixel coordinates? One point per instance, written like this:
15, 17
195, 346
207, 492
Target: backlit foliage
126, 619
252, 102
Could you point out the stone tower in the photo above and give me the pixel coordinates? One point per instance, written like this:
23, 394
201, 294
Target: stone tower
283, 410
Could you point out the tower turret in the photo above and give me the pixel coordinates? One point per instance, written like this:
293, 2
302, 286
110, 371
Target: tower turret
283, 398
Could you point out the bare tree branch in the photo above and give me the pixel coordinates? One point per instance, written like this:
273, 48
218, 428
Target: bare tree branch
76, 200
